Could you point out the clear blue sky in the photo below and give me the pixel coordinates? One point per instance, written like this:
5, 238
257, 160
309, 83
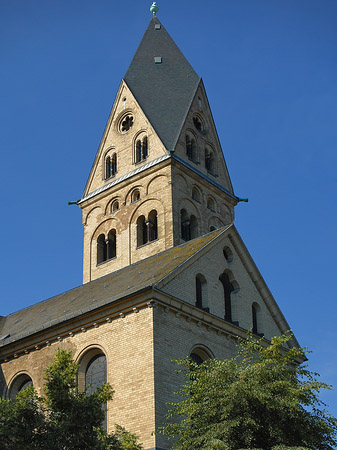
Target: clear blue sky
270, 71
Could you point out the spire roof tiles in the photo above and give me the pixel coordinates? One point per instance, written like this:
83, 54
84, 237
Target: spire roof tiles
164, 90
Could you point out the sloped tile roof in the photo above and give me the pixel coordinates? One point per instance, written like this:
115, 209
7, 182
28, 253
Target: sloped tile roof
100, 292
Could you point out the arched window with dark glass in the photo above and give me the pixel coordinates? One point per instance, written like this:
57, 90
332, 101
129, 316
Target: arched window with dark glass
108, 167
188, 145
210, 161
228, 289
196, 358
111, 244
185, 225
193, 227
141, 231
20, 383
200, 354
153, 226
256, 311
113, 163
194, 155
144, 148
141, 149
201, 300
101, 249
95, 376
138, 153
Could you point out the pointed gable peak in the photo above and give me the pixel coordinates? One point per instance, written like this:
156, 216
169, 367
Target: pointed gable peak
162, 81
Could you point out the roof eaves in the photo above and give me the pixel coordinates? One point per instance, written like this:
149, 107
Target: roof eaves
124, 177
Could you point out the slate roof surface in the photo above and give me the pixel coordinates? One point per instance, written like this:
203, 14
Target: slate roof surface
164, 91
100, 292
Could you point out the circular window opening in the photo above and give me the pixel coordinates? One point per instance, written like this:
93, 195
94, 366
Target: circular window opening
228, 254
126, 123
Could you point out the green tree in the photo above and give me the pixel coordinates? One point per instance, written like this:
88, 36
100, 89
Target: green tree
64, 419
263, 398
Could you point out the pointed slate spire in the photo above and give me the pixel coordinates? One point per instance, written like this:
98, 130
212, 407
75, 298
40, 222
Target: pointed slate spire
163, 82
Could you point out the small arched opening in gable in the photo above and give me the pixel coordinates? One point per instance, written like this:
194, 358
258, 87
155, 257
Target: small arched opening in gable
201, 294
230, 286
141, 149
191, 147
110, 166
210, 161
256, 319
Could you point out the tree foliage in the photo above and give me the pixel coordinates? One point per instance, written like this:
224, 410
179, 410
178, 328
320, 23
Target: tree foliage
64, 419
263, 398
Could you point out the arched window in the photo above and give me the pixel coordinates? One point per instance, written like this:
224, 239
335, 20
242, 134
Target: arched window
144, 148
191, 148
95, 376
189, 226
256, 312
228, 289
110, 166
196, 358
135, 196
141, 231
147, 230
152, 226
115, 206
20, 383
210, 161
193, 227
228, 254
101, 249
113, 164
201, 292
200, 354
141, 150
211, 204
111, 244
185, 225
196, 194
212, 228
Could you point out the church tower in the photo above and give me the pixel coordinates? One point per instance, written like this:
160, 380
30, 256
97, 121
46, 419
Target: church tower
159, 177
166, 274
